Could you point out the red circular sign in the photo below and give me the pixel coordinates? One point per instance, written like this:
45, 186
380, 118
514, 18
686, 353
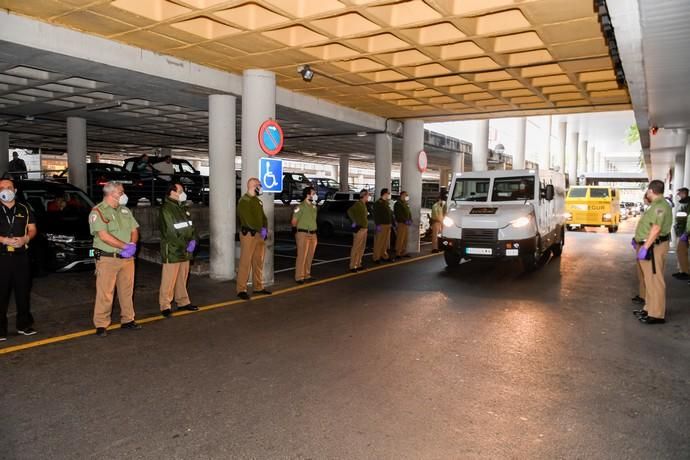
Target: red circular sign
271, 137
422, 161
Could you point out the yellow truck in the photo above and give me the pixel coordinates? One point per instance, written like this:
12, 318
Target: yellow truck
593, 206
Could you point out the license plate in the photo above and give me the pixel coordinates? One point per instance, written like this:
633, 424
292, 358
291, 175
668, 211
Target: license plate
91, 253
479, 251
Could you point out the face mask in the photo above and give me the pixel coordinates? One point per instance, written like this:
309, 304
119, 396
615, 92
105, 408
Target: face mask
407, 198
182, 197
257, 190
122, 201
386, 197
7, 195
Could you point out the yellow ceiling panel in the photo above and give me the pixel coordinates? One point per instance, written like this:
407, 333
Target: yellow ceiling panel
502, 22
493, 76
460, 50
251, 16
331, 52
307, 8
516, 92
559, 89
601, 86
529, 57
156, 10
346, 25
405, 58
535, 71
384, 75
428, 70
597, 76
477, 64
515, 42
85, 20
477, 96
448, 81
379, 43
295, 36
358, 65
464, 89
444, 32
405, 13
468, 7
565, 96
506, 84
525, 99
426, 93
406, 85
551, 80
441, 100
201, 4
206, 28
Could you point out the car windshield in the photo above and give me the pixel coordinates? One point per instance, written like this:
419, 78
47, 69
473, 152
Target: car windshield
300, 178
108, 168
598, 192
183, 167
513, 189
577, 192
57, 200
331, 183
471, 190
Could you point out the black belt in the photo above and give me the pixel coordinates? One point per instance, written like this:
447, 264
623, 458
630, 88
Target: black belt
114, 255
246, 230
301, 230
661, 239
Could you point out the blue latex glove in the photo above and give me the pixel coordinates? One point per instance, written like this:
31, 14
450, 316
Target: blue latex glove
264, 232
408, 222
633, 243
378, 229
684, 237
191, 246
128, 251
642, 253
354, 225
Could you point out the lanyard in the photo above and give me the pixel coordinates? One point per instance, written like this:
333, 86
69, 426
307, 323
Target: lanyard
11, 222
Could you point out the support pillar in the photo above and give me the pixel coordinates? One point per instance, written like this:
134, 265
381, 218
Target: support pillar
344, 173
411, 176
686, 169
521, 135
4, 153
480, 149
582, 156
562, 133
258, 105
443, 177
222, 199
546, 162
678, 172
573, 138
76, 151
384, 161
457, 163
590, 159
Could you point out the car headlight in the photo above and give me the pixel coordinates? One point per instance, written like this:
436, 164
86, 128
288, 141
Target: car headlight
520, 222
57, 238
607, 216
448, 222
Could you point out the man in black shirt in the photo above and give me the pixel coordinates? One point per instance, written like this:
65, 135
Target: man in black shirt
17, 167
17, 228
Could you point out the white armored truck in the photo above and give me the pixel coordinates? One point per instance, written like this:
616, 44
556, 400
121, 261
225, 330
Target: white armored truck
515, 214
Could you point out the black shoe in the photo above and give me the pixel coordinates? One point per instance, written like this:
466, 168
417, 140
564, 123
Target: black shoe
243, 296
435, 251
26, 331
651, 320
263, 292
386, 260
166, 313
354, 270
637, 299
681, 276
310, 279
640, 313
392, 259
132, 326
101, 332
376, 262
407, 256
299, 281
189, 307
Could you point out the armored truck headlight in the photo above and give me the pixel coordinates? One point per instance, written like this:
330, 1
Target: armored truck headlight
520, 222
448, 222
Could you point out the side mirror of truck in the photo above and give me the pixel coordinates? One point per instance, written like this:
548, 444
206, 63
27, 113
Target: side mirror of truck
549, 192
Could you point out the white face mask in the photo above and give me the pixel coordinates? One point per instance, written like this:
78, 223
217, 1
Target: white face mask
7, 195
122, 201
182, 197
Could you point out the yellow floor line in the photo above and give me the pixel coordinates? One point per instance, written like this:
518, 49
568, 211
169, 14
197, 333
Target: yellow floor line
151, 319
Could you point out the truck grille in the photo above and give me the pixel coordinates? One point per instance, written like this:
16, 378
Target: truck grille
479, 235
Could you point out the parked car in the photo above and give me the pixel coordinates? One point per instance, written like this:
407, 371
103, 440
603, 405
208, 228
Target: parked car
98, 174
634, 209
351, 195
624, 212
325, 187
332, 218
293, 184
156, 183
63, 242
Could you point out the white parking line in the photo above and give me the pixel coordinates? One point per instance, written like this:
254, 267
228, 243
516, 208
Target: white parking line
323, 262
294, 257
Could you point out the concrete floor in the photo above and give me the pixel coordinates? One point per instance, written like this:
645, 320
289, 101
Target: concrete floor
406, 362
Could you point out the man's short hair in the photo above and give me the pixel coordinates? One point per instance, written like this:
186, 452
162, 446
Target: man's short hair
364, 192
683, 190
384, 191
8, 179
656, 186
249, 181
111, 186
173, 188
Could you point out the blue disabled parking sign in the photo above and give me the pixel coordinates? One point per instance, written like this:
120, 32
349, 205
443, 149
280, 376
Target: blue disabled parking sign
271, 174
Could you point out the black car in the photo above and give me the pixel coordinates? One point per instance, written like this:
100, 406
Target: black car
326, 187
332, 218
293, 185
63, 241
156, 182
98, 174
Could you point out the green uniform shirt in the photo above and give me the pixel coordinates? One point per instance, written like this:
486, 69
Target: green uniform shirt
119, 222
358, 214
177, 230
250, 210
305, 215
437, 211
382, 212
402, 211
682, 216
659, 213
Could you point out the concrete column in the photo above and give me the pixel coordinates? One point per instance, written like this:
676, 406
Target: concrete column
384, 161
678, 172
582, 155
590, 159
573, 138
76, 151
545, 162
258, 105
443, 177
4, 152
457, 163
686, 169
480, 149
222, 199
344, 173
520, 135
562, 133
411, 176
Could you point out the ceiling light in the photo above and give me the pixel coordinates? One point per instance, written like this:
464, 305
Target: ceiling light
361, 134
306, 72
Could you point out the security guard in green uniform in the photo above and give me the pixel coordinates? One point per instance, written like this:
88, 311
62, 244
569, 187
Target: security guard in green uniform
253, 234
178, 242
359, 215
679, 228
17, 228
403, 224
651, 241
115, 235
438, 211
304, 223
383, 218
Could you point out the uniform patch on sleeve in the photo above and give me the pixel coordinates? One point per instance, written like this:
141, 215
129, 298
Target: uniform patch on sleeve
659, 211
296, 210
92, 217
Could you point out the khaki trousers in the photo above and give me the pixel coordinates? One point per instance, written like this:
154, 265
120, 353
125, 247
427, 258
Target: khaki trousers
682, 255
252, 249
112, 273
655, 299
640, 278
174, 285
359, 243
401, 239
436, 228
306, 245
382, 241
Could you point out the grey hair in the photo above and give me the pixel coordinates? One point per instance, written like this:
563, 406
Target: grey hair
111, 186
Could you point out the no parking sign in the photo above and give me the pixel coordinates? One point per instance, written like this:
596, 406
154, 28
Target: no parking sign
271, 137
